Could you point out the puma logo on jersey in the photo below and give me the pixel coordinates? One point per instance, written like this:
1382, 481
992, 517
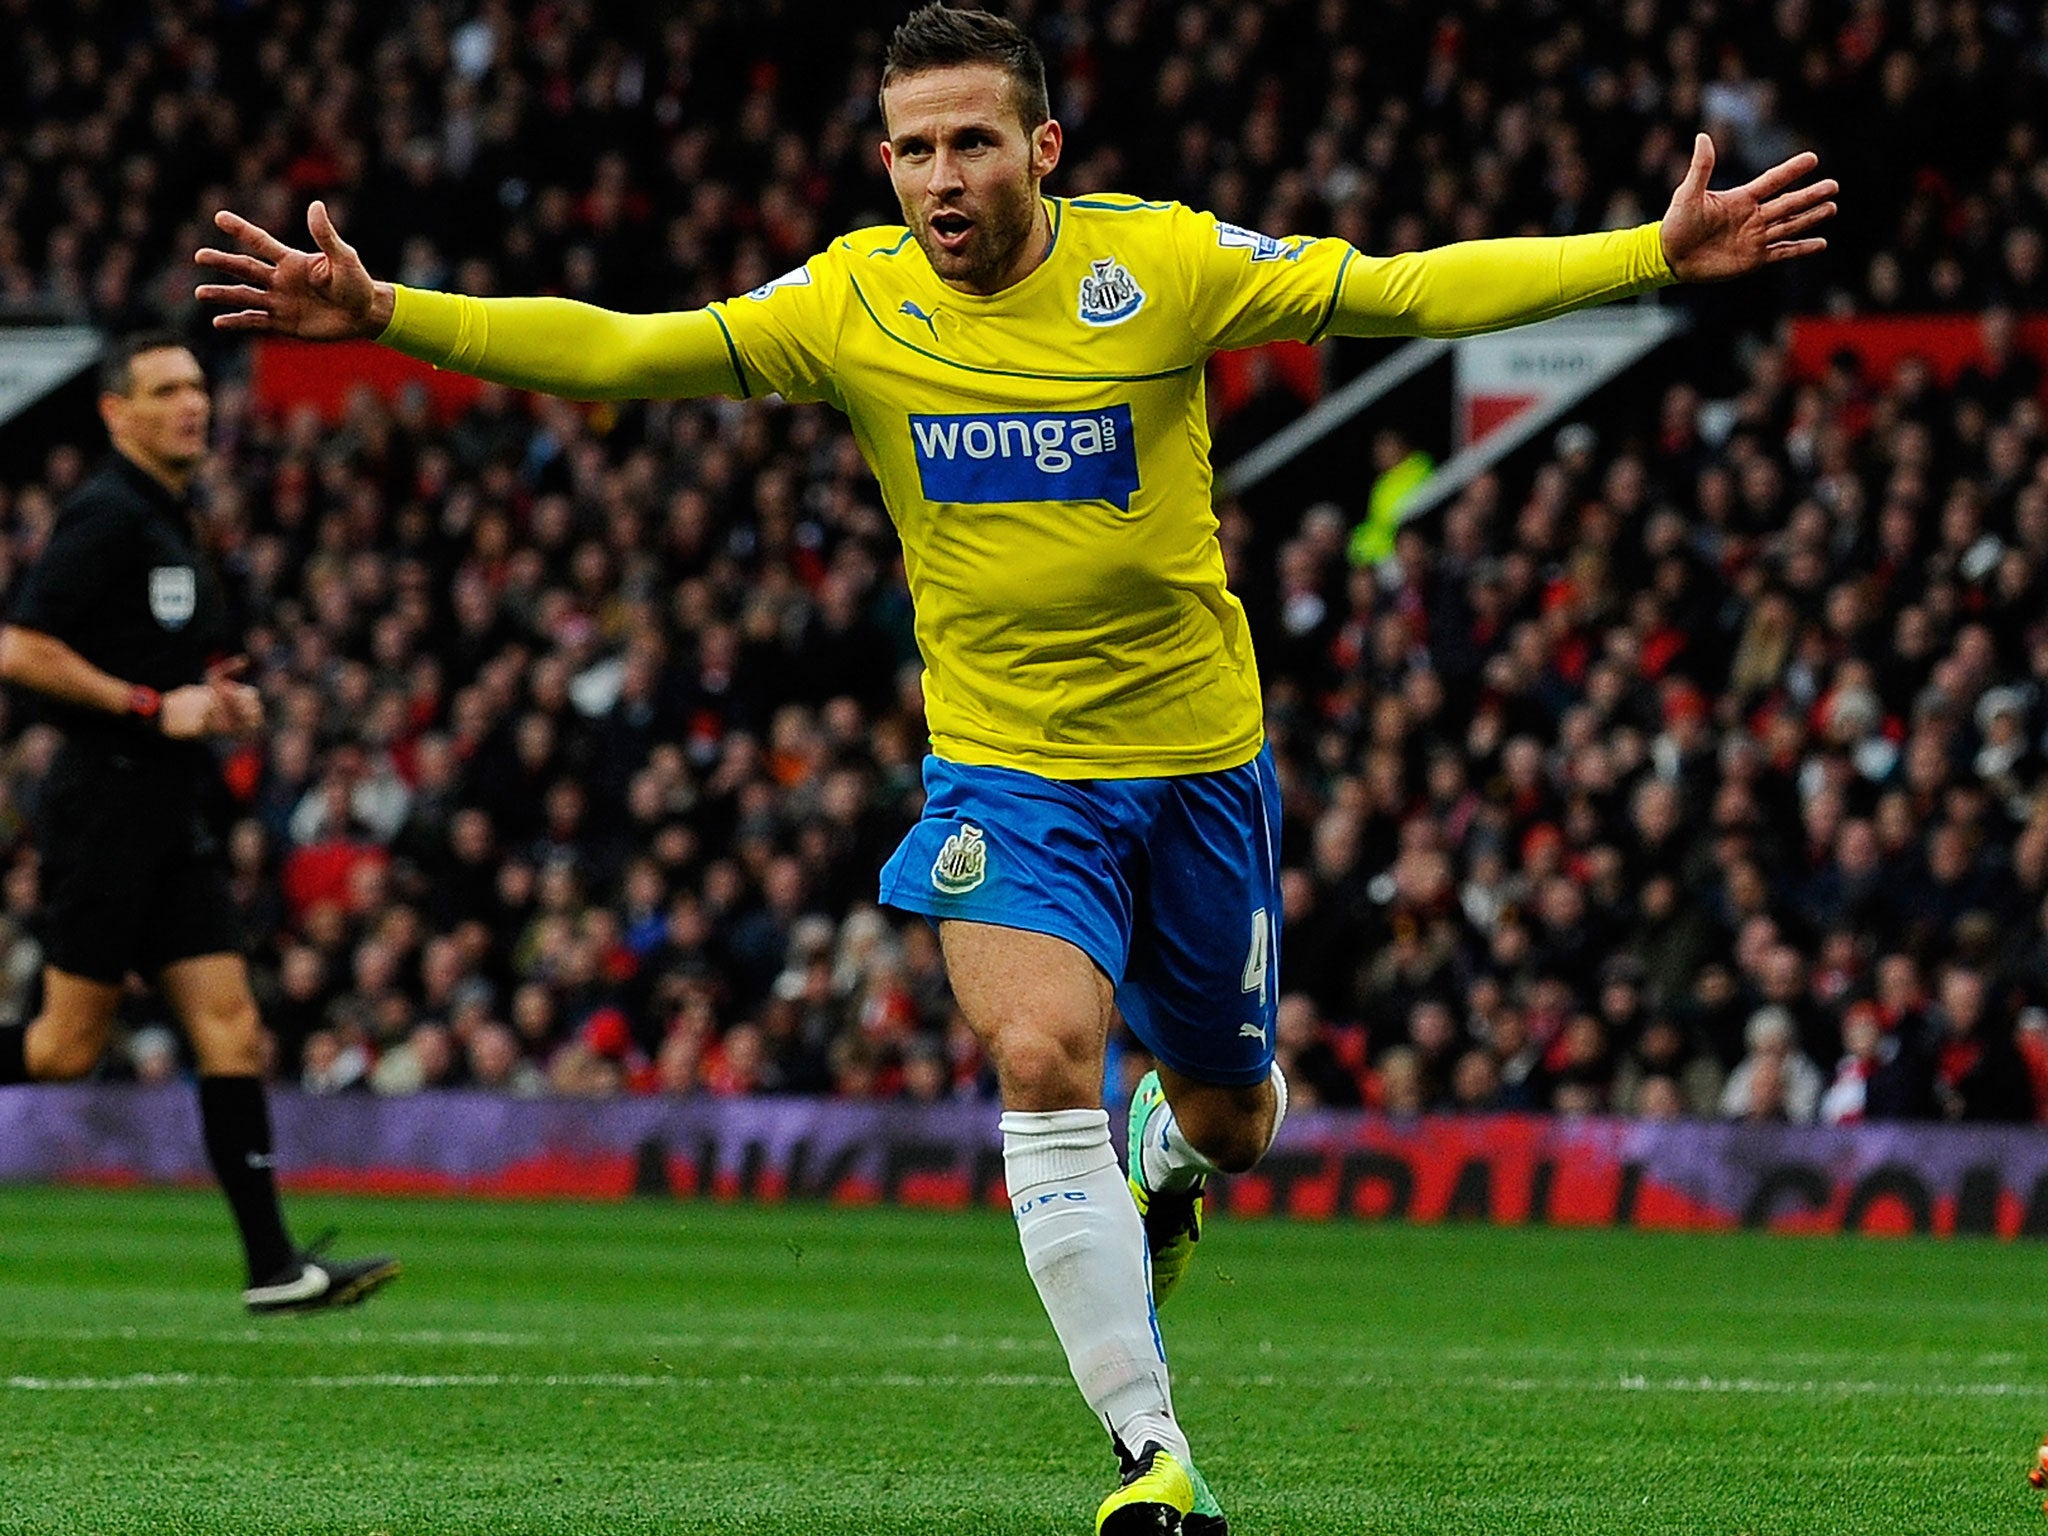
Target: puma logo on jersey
1109, 294
1252, 1032
931, 321
962, 863
1038, 456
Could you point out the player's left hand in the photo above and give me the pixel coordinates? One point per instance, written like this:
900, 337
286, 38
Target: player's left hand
1712, 235
325, 294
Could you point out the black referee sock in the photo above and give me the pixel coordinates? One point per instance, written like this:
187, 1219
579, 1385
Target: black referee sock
13, 1056
236, 1120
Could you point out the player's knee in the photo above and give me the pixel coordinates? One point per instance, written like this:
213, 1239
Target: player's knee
1044, 1069
62, 1056
227, 1038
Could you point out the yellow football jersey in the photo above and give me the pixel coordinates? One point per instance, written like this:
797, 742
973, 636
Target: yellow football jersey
1044, 451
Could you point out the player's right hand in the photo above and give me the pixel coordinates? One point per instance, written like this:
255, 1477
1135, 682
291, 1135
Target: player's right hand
190, 712
320, 295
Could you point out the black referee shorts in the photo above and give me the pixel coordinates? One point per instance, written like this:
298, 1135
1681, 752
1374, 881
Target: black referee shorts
133, 877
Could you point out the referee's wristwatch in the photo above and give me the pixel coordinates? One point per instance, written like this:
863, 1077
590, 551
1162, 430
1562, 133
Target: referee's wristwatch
146, 705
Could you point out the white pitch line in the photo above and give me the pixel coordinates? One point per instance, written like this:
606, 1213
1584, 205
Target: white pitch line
129, 1333
144, 1381
292, 1337
1750, 1384
1686, 1385
1668, 1365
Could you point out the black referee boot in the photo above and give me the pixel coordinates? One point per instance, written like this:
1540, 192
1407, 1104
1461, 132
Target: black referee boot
312, 1283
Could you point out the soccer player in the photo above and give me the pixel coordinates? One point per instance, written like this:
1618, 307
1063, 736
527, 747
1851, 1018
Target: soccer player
119, 625
1024, 374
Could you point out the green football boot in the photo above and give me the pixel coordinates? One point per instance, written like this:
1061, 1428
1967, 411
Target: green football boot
1151, 1499
1206, 1518
1173, 1218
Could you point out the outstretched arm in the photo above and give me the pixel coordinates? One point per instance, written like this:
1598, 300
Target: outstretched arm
556, 346
1485, 285
220, 706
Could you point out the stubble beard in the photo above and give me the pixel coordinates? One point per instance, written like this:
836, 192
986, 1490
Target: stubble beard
991, 250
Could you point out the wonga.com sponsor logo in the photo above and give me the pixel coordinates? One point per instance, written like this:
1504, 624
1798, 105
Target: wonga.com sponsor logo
1044, 456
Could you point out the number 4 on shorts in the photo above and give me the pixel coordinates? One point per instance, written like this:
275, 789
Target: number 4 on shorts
1260, 955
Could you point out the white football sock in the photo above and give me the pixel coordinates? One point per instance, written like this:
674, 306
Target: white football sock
1171, 1161
1085, 1249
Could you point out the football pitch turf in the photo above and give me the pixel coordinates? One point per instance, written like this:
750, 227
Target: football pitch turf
681, 1368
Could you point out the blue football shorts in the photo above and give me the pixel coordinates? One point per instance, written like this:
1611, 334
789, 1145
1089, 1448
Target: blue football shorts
1170, 885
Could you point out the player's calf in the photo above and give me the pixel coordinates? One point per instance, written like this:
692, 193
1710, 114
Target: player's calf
1081, 1240
1169, 1170
1221, 1129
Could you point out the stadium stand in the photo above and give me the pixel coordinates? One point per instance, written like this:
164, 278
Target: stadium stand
1695, 769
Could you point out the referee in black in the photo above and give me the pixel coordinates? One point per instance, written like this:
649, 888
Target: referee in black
123, 627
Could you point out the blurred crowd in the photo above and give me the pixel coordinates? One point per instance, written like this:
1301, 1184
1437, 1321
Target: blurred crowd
1702, 777
1699, 773
664, 155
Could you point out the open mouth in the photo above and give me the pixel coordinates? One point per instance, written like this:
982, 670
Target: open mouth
951, 230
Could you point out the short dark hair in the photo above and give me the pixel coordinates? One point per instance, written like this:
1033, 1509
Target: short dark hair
938, 36
117, 363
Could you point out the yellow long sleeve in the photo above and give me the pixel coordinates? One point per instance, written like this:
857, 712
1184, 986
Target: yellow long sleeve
1485, 285
561, 347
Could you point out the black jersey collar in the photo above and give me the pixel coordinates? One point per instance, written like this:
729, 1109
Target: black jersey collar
148, 487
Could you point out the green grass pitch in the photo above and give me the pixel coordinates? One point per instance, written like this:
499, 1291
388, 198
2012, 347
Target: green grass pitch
684, 1368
